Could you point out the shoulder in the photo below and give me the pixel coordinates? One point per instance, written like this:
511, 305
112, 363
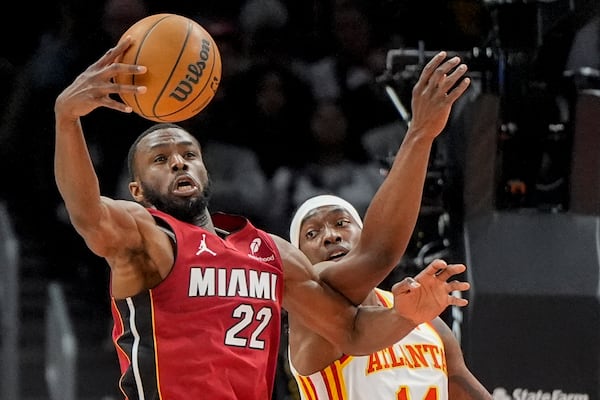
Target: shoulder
117, 221
445, 333
440, 326
289, 253
296, 266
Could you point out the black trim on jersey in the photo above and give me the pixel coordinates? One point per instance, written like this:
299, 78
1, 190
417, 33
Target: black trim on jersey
168, 230
137, 341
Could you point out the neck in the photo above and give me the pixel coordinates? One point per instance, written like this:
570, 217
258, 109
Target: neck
204, 220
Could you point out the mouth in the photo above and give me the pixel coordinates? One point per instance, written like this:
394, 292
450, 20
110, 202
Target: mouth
184, 185
337, 255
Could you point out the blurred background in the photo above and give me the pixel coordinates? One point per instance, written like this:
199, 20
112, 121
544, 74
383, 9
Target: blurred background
315, 98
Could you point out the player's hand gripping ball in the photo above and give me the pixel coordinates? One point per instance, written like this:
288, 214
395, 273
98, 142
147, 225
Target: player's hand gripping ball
184, 67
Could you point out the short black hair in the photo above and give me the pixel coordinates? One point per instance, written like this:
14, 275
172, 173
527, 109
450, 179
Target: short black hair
133, 148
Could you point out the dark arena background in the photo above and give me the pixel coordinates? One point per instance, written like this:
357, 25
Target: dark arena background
512, 190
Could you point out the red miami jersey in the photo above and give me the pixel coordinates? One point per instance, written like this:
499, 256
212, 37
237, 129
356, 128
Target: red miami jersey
211, 328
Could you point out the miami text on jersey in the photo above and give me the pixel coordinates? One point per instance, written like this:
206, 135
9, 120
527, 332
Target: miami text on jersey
236, 282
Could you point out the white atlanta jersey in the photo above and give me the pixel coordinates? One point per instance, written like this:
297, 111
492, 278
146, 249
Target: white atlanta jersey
412, 369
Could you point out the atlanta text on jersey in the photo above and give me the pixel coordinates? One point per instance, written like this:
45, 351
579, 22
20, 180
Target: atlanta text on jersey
407, 356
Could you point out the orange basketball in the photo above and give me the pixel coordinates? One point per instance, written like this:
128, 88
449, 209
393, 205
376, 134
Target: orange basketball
184, 67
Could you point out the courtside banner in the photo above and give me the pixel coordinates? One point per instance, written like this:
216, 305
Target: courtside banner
532, 328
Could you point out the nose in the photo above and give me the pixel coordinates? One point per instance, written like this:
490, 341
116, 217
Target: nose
331, 235
178, 163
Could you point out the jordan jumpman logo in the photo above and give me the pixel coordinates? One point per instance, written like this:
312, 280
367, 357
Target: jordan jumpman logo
203, 248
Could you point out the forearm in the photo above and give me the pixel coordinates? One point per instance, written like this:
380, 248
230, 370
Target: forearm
388, 224
395, 207
394, 210
466, 387
376, 328
74, 171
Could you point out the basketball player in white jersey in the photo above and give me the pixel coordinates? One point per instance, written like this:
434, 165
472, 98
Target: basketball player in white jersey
427, 364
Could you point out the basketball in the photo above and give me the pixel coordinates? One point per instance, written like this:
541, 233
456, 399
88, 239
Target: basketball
184, 67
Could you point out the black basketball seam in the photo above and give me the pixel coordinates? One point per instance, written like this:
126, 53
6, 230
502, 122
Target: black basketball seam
137, 54
160, 95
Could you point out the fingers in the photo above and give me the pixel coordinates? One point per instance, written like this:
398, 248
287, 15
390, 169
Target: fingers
444, 76
431, 66
115, 105
114, 53
121, 88
441, 270
457, 301
109, 62
128, 69
458, 286
455, 288
450, 270
449, 80
434, 268
114, 68
405, 286
447, 75
437, 68
457, 91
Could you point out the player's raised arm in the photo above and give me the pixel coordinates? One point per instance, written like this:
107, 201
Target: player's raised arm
74, 171
393, 212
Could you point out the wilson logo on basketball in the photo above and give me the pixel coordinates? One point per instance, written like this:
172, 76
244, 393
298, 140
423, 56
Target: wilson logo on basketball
185, 87
183, 67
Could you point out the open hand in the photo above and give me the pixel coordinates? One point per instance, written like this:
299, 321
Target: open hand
92, 88
426, 296
436, 91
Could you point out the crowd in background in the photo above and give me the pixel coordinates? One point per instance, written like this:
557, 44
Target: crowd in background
298, 91
298, 109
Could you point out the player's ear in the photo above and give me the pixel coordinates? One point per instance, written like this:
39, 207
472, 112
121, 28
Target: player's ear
136, 191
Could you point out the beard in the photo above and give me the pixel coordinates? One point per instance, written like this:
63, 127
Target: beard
186, 209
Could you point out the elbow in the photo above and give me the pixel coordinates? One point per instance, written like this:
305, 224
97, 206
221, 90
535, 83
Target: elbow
356, 346
374, 328
355, 341
346, 337
352, 346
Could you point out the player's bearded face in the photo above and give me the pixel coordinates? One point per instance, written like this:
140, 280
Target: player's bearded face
187, 209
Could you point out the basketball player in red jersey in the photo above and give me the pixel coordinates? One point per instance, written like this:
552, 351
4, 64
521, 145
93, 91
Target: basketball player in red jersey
427, 363
196, 298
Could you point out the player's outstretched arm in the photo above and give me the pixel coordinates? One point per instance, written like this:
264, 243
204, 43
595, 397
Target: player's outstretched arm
74, 172
393, 212
415, 301
363, 330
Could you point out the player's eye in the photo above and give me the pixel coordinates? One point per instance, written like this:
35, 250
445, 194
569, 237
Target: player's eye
311, 234
342, 222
